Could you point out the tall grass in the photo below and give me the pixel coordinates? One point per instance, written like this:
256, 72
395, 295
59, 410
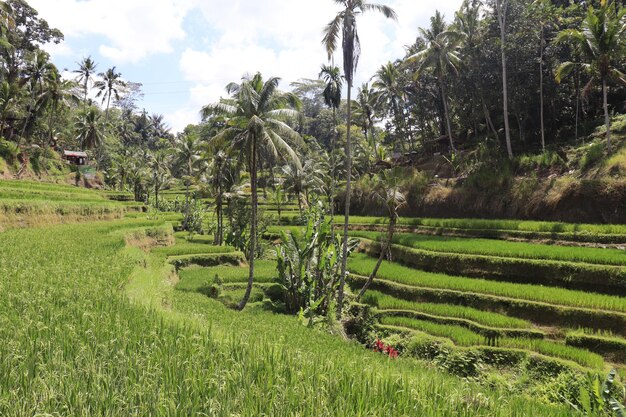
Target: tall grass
501, 225
194, 277
464, 337
362, 264
71, 343
459, 335
492, 247
387, 302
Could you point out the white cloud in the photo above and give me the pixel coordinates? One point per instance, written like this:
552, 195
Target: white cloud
276, 37
282, 38
133, 29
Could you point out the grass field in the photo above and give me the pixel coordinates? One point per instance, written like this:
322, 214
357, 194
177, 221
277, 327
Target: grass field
73, 343
502, 225
504, 248
387, 302
362, 264
90, 326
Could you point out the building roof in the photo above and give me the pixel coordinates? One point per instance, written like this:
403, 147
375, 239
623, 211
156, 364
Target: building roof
76, 154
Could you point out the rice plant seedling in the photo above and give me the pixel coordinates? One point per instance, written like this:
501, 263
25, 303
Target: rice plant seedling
464, 337
490, 247
502, 225
188, 248
387, 302
557, 350
362, 265
459, 335
194, 277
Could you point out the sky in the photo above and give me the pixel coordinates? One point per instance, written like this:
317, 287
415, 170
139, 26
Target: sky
184, 52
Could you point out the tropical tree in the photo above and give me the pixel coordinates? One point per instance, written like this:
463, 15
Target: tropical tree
85, 72
501, 7
109, 86
333, 81
600, 45
37, 68
159, 166
442, 56
388, 193
391, 96
279, 198
255, 118
89, 128
344, 26
57, 93
187, 155
222, 176
363, 109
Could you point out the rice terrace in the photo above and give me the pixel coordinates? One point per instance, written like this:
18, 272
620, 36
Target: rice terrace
341, 208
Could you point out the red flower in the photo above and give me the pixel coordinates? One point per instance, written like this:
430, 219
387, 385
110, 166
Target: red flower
380, 346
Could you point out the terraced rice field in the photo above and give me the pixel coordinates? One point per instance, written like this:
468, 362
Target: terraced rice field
148, 325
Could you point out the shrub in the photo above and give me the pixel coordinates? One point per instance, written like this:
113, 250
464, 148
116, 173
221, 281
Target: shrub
9, 151
593, 153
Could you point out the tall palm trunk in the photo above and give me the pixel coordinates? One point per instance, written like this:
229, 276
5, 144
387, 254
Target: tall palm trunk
577, 104
607, 119
108, 104
543, 132
445, 110
383, 250
333, 184
346, 224
501, 8
253, 226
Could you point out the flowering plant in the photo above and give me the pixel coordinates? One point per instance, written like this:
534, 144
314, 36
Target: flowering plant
382, 347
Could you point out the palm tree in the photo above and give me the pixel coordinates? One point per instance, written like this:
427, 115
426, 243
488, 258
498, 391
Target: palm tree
390, 95
344, 25
85, 72
364, 110
501, 7
110, 86
598, 44
159, 164
89, 128
255, 119
389, 194
187, 155
332, 98
279, 198
37, 68
442, 56
57, 93
221, 174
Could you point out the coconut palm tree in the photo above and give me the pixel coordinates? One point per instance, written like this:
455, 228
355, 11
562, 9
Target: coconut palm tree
254, 120
85, 72
332, 98
222, 175
389, 195
109, 86
89, 128
599, 45
441, 55
364, 111
38, 67
501, 7
187, 155
57, 93
390, 95
159, 166
344, 26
